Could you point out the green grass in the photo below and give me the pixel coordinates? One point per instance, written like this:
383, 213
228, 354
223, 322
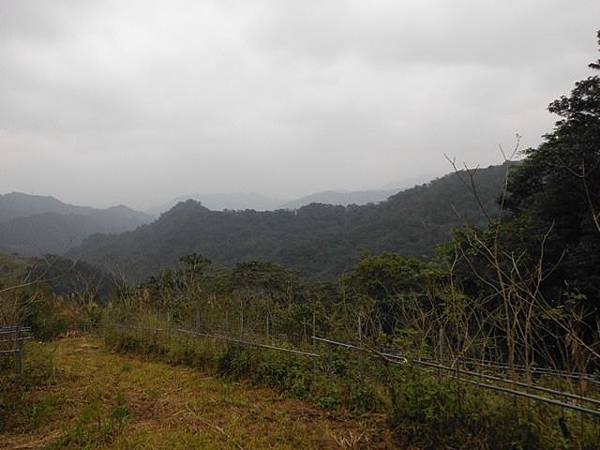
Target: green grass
423, 410
99, 399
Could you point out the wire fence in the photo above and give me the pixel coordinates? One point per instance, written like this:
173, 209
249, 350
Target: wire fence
533, 370
12, 340
502, 384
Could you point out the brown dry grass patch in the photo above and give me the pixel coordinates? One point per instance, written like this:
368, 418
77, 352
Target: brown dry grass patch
159, 406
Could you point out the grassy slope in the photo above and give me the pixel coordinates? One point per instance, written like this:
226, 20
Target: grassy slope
104, 400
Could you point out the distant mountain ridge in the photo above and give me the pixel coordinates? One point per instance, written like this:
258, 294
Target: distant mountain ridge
317, 240
238, 201
18, 204
343, 198
32, 225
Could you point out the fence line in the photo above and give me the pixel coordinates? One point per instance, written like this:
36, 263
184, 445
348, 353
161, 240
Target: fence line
252, 344
400, 359
396, 358
510, 381
16, 335
224, 338
551, 401
532, 369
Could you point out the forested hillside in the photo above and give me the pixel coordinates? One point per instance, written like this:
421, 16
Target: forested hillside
219, 202
317, 240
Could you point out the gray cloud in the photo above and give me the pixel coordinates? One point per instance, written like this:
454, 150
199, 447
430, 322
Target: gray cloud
107, 102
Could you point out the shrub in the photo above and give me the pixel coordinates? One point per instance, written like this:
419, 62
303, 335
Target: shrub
38, 370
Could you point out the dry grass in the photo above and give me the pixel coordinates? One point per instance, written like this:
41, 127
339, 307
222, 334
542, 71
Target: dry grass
151, 405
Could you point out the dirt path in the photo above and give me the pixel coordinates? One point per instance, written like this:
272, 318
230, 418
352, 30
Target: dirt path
105, 400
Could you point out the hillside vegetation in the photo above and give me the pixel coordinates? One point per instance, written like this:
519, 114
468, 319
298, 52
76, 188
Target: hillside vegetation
93, 398
317, 240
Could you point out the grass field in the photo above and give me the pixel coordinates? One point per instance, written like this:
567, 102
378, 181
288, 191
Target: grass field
98, 399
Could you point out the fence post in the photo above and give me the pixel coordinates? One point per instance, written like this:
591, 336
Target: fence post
359, 330
314, 326
267, 323
441, 349
361, 360
18, 350
241, 318
305, 331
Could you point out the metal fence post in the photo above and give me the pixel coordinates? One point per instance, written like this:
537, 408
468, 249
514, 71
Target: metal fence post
18, 350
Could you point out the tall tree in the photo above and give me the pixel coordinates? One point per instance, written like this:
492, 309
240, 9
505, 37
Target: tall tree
558, 188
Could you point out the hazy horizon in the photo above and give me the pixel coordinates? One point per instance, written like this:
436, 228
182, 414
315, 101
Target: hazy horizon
140, 102
274, 200
277, 201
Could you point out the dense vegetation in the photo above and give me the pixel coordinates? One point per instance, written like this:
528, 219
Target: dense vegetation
52, 295
316, 240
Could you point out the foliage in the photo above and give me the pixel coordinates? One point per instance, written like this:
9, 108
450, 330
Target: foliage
100, 399
536, 269
52, 295
38, 370
76, 279
52, 316
424, 410
558, 189
433, 413
392, 283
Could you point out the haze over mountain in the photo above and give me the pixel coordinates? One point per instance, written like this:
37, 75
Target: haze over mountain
317, 240
278, 97
222, 201
19, 204
343, 198
33, 225
259, 202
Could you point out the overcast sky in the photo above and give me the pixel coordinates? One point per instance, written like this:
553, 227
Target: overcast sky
136, 102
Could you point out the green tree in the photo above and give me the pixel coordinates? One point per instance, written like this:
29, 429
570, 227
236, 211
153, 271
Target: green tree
558, 187
393, 282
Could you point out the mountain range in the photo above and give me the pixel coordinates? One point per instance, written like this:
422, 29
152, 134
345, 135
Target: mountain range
32, 225
343, 198
249, 200
222, 201
317, 240
18, 204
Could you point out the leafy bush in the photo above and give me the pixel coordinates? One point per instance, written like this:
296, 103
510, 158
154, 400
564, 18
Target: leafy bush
51, 316
437, 413
38, 370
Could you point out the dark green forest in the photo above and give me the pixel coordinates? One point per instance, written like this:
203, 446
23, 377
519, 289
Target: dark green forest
320, 241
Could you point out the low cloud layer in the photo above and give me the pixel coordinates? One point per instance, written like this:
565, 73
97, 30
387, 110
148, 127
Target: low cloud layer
136, 102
